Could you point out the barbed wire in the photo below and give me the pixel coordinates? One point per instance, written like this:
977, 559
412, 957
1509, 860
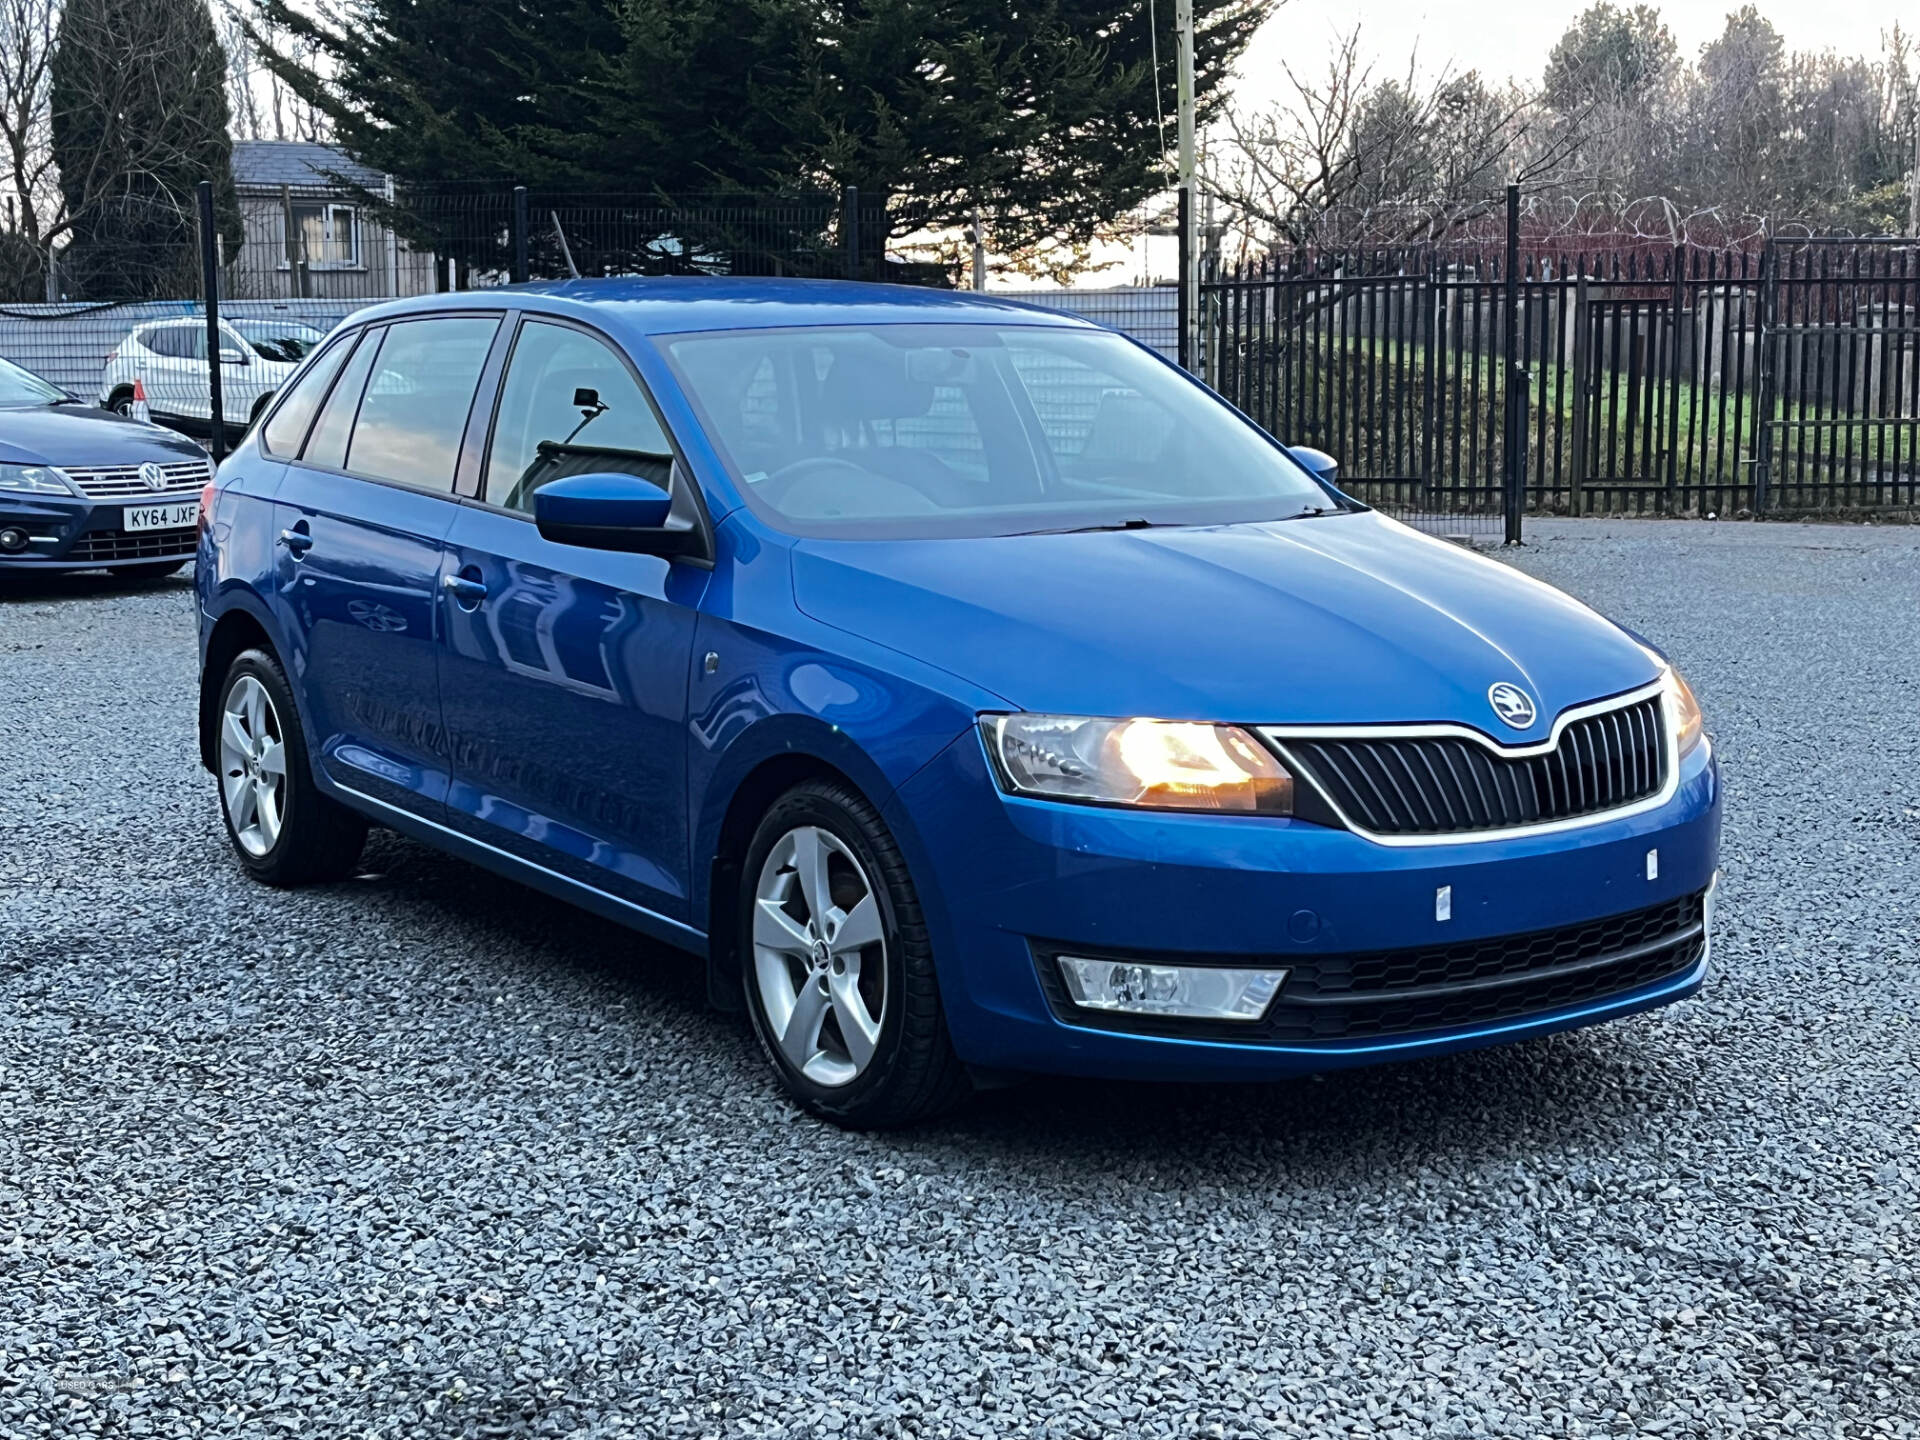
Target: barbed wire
1592, 220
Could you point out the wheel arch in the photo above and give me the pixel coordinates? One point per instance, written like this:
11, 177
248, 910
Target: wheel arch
238, 630
762, 782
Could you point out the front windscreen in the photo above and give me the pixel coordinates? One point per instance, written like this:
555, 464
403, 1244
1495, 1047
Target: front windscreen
286, 343
905, 430
20, 388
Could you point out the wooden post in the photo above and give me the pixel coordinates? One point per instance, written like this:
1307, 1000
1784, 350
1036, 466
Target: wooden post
296, 279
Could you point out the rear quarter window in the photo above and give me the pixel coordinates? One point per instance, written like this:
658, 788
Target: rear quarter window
287, 430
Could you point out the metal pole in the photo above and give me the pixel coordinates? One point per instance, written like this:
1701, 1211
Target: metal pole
1516, 375
1676, 302
1763, 435
1189, 257
210, 285
1582, 385
1183, 297
979, 252
519, 234
850, 230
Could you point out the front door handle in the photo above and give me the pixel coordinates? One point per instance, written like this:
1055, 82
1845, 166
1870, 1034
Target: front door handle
466, 590
298, 542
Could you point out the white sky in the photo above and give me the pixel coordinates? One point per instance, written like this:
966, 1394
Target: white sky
1501, 39
1504, 38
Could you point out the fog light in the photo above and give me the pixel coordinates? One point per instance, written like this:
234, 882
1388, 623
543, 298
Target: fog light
12, 539
1195, 992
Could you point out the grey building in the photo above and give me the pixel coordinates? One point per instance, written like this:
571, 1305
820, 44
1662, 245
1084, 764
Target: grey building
310, 234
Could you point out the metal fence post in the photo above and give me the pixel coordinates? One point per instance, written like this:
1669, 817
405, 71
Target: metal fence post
1676, 302
1183, 303
1431, 299
1514, 476
519, 234
1582, 386
1763, 405
210, 285
850, 230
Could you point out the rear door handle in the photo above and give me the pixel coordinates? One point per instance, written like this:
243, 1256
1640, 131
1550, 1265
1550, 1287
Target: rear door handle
466, 591
298, 542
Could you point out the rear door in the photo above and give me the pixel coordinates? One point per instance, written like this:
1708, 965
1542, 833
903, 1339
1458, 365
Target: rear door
564, 676
174, 371
361, 514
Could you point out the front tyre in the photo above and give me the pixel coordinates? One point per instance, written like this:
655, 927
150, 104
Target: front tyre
837, 965
282, 828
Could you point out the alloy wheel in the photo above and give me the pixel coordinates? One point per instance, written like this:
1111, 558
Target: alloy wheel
253, 765
819, 956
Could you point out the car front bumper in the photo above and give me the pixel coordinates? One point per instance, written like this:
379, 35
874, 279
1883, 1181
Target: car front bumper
1007, 882
74, 533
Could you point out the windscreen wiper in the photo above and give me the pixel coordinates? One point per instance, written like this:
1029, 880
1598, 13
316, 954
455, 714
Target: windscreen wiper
1135, 523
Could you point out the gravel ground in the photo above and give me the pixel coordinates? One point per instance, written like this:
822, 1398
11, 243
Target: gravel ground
425, 1154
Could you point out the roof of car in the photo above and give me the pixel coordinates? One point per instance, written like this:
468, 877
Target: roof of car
674, 304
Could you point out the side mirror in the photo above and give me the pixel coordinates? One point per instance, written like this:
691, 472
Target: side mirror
1317, 463
230, 356
607, 510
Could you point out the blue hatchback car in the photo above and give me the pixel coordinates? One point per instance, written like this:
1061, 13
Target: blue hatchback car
977, 693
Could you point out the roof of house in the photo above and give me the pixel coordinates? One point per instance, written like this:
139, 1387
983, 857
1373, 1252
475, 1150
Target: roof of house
269, 164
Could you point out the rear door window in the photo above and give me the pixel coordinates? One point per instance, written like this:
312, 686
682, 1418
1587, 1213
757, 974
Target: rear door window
418, 397
169, 340
327, 446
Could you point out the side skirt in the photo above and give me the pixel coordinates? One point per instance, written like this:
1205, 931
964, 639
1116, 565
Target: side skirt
503, 862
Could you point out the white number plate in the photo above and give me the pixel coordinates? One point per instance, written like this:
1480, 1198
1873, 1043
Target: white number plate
174, 515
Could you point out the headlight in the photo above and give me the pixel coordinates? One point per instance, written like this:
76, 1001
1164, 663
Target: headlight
1688, 721
33, 480
1153, 764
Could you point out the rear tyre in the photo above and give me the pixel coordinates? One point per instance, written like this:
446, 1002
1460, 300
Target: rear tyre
159, 570
283, 829
121, 401
837, 965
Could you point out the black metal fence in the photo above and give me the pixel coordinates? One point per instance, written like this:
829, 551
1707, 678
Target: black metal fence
1457, 386
1466, 388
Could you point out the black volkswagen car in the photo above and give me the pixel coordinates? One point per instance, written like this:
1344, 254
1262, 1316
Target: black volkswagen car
85, 489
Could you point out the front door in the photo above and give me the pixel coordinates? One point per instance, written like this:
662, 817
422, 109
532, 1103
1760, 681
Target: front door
565, 672
361, 516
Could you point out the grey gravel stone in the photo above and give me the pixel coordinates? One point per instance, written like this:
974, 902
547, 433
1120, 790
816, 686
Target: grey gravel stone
425, 1154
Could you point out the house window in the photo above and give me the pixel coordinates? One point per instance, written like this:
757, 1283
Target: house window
327, 236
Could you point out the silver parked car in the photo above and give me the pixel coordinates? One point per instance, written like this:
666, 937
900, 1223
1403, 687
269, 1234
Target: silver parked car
165, 363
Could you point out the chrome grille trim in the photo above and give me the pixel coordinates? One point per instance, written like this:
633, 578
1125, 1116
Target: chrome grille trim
123, 482
1619, 713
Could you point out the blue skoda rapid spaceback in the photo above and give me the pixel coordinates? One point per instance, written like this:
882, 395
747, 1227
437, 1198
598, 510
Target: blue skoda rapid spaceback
977, 693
